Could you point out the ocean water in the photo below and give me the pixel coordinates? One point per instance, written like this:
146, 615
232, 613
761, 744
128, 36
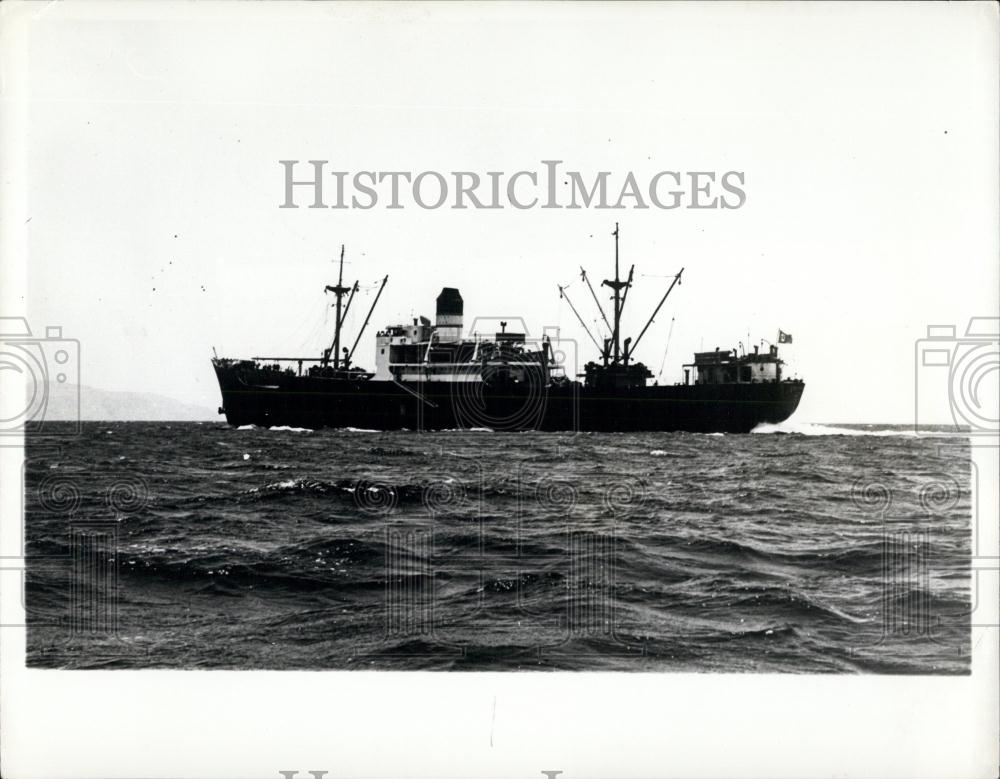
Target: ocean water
800, 549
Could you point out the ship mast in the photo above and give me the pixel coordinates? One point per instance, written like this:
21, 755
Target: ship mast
340, 290
617, 285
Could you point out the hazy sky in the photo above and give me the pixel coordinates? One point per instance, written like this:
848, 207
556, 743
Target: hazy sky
867, 136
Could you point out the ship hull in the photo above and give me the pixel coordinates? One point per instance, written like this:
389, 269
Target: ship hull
314, 402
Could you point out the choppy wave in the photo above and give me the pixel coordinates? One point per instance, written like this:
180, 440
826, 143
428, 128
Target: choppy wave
462, 551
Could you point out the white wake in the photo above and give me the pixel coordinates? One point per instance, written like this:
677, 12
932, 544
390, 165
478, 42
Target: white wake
810, 429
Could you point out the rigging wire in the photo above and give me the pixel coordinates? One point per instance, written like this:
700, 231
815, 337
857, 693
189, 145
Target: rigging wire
307, 319
319, 325
596, 322
663, 362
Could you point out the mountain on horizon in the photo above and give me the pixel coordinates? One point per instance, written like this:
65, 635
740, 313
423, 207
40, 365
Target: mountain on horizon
99, 405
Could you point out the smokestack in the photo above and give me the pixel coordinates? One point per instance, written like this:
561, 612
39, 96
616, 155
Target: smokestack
449, 315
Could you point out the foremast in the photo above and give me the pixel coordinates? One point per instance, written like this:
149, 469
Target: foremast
339, 290
341, 314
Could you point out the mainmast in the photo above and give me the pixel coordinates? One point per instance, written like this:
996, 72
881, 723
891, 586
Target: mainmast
617, 285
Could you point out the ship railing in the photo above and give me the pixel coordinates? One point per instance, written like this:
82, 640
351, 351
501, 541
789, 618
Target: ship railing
299, 360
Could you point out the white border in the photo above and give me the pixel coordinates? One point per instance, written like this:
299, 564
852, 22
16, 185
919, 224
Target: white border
240, 724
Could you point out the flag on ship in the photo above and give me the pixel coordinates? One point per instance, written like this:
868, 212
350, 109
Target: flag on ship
784, 338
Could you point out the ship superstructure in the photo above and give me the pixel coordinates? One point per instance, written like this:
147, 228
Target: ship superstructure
421, 352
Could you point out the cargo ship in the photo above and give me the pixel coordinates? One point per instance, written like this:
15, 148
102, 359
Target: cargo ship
434, 376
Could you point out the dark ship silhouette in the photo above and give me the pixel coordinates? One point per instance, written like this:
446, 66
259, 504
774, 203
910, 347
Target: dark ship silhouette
431, 377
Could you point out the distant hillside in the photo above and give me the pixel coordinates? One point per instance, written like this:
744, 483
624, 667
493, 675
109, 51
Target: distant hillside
105, 405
